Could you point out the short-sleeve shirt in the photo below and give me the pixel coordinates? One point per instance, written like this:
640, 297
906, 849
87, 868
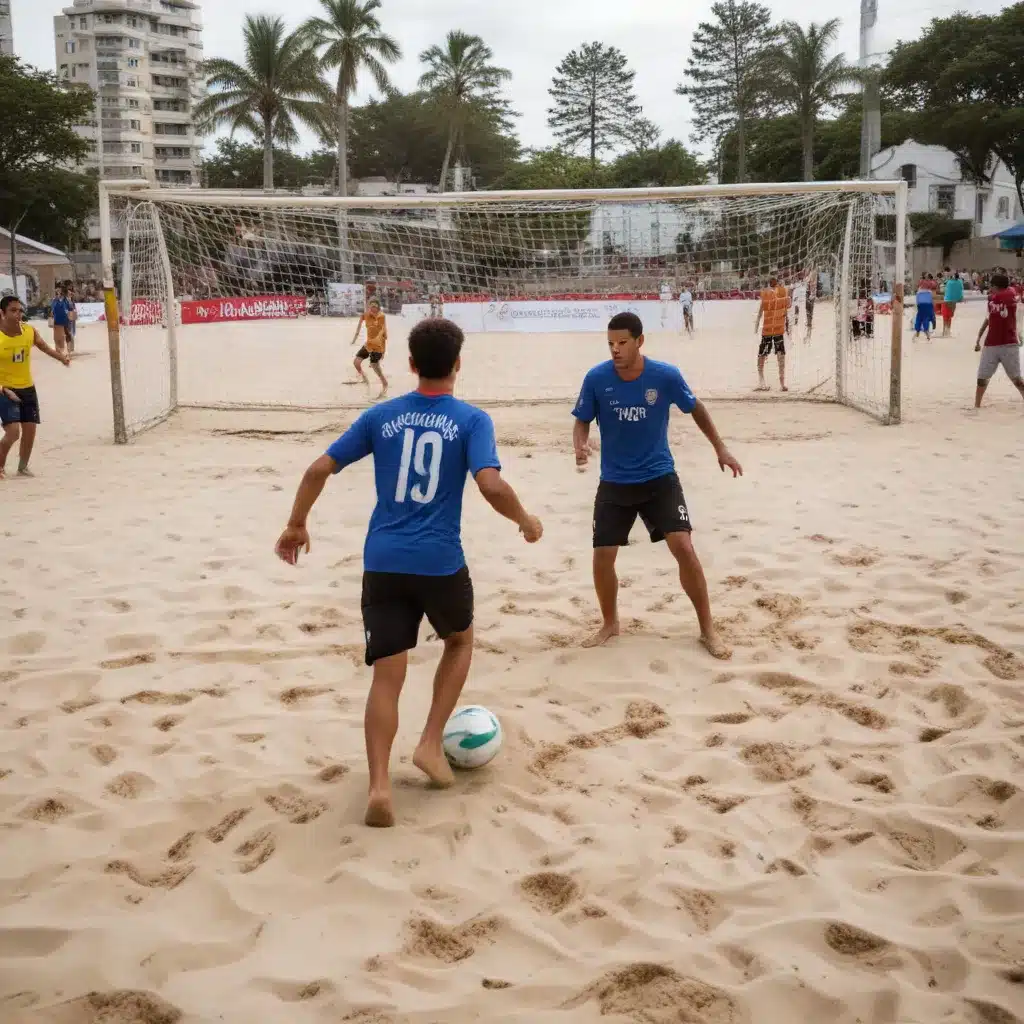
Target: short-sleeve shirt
774, 304
423, 446
925, 293
799, 294
1002, 318
954, 290
60, 310
633, 418
376, 331
686, 298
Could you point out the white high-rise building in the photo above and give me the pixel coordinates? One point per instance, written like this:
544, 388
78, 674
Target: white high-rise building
6, 28
142, 58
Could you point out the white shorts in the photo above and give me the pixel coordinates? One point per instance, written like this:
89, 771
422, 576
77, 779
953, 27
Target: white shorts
994, 356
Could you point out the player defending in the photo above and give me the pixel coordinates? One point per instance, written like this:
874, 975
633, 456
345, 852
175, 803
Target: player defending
19, 403
376, 343
686, 301
774, 310
423, 444
1002, 344
631, 397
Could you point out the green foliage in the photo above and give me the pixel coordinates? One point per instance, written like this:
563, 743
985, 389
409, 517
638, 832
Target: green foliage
552, 168
240, 165
726, 73
460, 76
277, 85
964, 78
37, 144
659, 166
938, 229
594, 101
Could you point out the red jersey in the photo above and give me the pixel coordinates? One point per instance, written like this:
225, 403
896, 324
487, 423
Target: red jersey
1002, 318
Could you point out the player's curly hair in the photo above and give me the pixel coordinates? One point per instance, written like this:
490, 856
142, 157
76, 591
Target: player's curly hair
435, 345
627, 322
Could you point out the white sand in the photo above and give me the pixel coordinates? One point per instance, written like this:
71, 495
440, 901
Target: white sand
826, 829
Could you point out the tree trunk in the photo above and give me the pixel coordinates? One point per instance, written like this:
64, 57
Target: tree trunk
807, 141
343, 145
268, 154
448, 154
741, 148
593, 138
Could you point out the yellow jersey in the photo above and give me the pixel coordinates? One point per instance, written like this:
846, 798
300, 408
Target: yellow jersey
16, 358
376, 331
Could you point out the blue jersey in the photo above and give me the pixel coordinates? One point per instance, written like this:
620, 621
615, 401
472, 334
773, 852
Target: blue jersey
633, 418
422, 446
60, 310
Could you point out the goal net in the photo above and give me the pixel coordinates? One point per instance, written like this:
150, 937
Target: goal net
251, 300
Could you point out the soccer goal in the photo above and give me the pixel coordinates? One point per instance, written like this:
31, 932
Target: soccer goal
241, 300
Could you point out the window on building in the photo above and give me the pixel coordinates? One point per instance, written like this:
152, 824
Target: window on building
133, 62
1003, 208
134, 44
131, 81
979, 207
945, 199
136, 147
908, 172
135, 126
83, 22
69, 47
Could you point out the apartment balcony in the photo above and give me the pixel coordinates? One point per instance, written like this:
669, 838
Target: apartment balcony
173, 116
176, 92
174, 163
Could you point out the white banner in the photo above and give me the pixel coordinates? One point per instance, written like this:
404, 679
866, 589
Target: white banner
89, 312
552, 317
345, 299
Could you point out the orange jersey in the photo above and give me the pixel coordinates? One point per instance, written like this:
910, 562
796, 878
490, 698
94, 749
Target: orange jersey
774, 304
376, 331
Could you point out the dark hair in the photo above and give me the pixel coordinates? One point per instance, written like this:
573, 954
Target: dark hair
626, 322
434, 345
7, 300
1000, 281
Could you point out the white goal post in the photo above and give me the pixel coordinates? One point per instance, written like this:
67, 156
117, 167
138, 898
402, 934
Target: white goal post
236, 299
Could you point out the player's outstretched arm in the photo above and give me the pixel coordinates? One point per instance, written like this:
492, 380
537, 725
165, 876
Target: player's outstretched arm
295, 537
501, 496
49, 350
702, 418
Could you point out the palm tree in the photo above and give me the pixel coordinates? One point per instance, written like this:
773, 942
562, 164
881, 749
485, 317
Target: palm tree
277, 83
806, 80
460, 73
354, 42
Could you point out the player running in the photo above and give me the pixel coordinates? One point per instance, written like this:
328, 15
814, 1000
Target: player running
924, 318
423, 445
1002, 344
774, 308
19, 402
686, 301
376, 343
631, 398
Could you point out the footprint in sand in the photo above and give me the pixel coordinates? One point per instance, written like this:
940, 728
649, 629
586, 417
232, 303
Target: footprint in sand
169, 878
181, 849
702, 907
433, 940
122, 1007
48, 811
129, 785
129, 660
549, 892
256, 850
219, 832
291, 803
168, 722
104, 753
297, 694
157, 697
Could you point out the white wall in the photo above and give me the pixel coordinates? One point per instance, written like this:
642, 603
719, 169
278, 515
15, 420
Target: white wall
937, 167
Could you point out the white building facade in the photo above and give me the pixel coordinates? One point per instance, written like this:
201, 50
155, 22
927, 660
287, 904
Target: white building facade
142, 58
6, 29
936, 185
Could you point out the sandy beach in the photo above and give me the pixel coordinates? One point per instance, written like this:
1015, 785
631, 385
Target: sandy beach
827, 828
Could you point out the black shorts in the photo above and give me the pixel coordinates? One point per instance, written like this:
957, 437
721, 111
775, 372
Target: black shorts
658, 502
772, 341
374, 357
25, 411
394, 604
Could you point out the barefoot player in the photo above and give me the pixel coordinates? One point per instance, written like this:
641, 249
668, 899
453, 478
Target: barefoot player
19, 403
423, 444
772, 318
1002, 343
376, 343
631, 398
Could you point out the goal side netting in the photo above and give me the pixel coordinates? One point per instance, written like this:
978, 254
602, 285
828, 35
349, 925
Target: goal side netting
251, 300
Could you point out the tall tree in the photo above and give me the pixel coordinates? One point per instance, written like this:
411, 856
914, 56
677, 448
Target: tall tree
725, 73
594, 100
278, 83
655, 166
352, 42
458, 73
38, 197
965, 79
806, 80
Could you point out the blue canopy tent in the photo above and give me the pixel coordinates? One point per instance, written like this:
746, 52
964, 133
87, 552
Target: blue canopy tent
1012, 238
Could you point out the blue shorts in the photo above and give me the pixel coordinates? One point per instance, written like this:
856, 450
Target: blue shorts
925, 319
25, 411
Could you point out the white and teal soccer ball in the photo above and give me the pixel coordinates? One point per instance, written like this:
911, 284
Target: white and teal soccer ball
472, 737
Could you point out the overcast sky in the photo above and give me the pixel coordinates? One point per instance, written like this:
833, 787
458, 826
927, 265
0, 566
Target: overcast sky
531, 36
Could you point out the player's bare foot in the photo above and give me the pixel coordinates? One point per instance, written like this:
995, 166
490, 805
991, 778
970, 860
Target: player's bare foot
716, 646
784, 388
25, 471
432, 762
603, 635
379, 812
762, 387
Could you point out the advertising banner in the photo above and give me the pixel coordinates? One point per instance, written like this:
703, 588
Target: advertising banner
345, 299
90, 312
262, 307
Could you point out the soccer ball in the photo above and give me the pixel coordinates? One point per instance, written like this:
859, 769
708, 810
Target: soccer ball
472, 737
